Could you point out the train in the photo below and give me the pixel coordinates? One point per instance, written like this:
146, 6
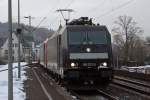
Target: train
79, 54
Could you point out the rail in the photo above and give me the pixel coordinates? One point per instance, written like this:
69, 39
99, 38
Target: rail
109, 96
133, 85
77, 96
133, 81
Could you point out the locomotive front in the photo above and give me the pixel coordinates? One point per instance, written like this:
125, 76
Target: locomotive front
89, 59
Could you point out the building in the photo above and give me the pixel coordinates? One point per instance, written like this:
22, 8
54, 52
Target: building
4, 48
2, 41
36, 53
0, 53
28, 47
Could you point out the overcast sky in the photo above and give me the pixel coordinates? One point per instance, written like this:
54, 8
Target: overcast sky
103, 11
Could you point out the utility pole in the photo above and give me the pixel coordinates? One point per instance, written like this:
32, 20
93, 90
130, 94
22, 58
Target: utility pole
10, 72
19, 40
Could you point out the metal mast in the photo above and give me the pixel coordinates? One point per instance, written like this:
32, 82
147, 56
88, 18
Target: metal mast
19, 37
10, 72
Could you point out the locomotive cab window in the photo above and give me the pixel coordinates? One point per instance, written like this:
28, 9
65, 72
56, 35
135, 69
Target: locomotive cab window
77, 37
97, 37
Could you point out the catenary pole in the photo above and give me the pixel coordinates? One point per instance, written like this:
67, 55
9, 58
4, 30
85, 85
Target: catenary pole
10, 72
19, 37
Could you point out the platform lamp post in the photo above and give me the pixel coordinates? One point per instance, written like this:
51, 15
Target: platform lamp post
10, 72
30, 48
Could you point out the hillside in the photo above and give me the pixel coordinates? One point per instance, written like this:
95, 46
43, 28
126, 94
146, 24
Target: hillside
39, 34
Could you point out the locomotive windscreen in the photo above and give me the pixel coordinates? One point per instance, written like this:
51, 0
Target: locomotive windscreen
97, 37
91, 37
77, 37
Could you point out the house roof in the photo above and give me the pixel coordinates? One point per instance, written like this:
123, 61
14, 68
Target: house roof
3, 39
26, 40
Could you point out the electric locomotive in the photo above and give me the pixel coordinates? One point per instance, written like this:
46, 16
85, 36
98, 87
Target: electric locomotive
79, 54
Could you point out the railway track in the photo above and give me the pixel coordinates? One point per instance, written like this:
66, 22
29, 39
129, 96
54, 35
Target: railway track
109, 96
136, 86
144, 84
92, 95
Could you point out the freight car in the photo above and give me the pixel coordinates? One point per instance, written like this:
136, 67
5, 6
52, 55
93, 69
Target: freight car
79, 54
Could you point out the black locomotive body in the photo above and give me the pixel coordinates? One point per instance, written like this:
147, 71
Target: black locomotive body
79, 55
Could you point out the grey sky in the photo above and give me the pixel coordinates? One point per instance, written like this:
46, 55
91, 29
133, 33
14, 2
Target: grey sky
103, 11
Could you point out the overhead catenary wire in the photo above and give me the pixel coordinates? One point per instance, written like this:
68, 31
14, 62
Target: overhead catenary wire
99, 5
71, 2
44, 18
115, 8
38, 24
66, 10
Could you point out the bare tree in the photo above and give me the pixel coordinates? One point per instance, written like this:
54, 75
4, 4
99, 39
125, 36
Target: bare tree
126, 31
148, 50
148, 40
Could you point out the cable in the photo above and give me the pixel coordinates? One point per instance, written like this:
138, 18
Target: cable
117, 8
38, 25
69, 4
44, 18
99, 5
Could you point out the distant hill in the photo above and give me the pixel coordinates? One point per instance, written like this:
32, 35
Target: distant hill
39, 34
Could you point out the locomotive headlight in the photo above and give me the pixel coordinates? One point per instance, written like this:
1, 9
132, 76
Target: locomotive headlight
72, 64
88, 49
105, 64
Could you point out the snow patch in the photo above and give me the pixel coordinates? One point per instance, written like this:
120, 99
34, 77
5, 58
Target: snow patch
18, 92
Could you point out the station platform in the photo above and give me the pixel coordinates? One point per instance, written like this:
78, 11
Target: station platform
40, 86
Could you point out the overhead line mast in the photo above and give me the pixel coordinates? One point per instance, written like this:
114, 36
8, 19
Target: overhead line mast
19, 30
10, 71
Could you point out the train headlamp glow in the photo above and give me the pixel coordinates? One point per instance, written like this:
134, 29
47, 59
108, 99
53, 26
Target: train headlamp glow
105, 64
72, 64
88, 49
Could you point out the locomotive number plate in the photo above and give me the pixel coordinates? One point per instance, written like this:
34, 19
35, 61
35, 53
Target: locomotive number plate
89, 64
